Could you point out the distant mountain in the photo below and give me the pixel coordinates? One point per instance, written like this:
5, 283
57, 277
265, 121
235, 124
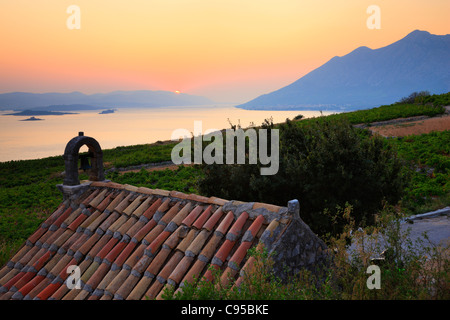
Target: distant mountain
133, 99
38, 113
67, 107
366, 78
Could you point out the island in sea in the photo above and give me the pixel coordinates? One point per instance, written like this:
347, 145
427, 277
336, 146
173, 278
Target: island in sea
31, 119
107, 111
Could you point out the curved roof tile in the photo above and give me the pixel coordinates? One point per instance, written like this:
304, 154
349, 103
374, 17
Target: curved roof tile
130, 243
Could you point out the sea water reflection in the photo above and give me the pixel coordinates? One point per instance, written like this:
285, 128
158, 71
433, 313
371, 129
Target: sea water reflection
20, 140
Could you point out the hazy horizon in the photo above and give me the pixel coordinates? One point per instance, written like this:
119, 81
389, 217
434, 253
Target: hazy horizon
230, 52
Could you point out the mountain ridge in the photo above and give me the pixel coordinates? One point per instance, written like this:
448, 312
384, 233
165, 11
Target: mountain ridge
367, 77
139, 98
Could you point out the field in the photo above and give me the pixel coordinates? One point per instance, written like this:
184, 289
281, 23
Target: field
428, 163
413, 127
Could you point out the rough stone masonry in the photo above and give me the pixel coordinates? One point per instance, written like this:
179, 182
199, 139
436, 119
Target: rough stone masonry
292, 246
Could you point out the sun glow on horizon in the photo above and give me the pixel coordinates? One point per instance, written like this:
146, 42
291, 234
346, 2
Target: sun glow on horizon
226, 50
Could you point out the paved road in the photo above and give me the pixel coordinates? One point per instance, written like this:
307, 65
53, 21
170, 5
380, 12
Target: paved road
435, 224
437, 229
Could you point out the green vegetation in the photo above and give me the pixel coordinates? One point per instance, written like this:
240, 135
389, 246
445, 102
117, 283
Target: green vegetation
28, 195
424, 98
417, 104
438, 100
428, 164
389, 112
183, 179
415, 97
137, 154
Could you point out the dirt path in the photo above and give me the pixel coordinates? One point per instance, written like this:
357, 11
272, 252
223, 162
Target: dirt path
404, 127
413, 127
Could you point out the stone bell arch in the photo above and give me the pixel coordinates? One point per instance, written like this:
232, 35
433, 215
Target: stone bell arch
71, 157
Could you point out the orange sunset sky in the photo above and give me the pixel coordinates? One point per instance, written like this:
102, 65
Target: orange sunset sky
227, 50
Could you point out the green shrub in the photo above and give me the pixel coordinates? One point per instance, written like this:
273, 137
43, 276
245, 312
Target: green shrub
415, 97
324, 164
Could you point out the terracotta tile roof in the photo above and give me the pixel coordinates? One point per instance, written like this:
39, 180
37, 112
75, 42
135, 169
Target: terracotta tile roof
130, 243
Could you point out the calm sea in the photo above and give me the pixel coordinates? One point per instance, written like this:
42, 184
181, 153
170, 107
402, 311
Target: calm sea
20, 140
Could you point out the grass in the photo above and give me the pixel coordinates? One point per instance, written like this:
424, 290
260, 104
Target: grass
28, 195
182, 179
138, 154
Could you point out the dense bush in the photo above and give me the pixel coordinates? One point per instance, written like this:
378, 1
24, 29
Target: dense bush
425, 98
325, 165
437, 99
415, 97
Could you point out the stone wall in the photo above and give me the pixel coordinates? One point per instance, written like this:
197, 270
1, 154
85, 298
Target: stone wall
292, 245
297, 247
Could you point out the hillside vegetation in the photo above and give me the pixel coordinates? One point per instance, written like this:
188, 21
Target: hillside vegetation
420, 105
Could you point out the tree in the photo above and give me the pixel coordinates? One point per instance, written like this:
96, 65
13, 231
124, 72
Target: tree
325, 164
415, 97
